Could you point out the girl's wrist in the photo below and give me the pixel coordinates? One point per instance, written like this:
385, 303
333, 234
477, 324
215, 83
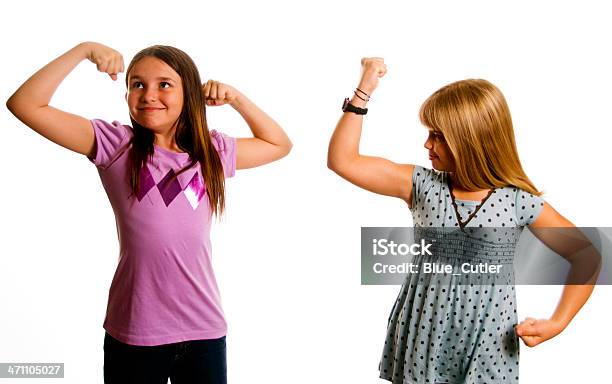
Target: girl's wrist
368, 89
84, 49
238, 101
358, 102
559, 323
361, 96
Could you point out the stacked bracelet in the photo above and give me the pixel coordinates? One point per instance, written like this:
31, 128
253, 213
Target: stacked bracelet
362, 92
348, 107
356, 94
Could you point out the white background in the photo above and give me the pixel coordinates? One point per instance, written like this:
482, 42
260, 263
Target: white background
286, 253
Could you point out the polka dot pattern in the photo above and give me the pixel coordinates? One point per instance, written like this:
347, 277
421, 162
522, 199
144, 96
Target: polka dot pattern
454, 332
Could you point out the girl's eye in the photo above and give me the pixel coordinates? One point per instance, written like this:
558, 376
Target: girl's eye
136, 84
436, 136
164, 84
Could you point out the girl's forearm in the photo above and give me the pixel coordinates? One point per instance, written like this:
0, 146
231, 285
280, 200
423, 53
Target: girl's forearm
344, 143
585, 264
262, 125
572, 299
40, 87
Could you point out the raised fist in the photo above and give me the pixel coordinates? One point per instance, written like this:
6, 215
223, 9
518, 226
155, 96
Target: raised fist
216, 93
105, 58
372, 68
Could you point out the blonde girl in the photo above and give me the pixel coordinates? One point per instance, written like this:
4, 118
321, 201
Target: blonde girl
453, 333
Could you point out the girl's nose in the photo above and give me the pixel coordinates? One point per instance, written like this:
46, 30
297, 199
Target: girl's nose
150, 94
428, 145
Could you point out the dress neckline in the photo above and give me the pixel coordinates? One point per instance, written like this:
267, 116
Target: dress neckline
479, 205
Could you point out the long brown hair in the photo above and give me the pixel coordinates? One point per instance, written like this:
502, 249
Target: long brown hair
474, 119
192, 135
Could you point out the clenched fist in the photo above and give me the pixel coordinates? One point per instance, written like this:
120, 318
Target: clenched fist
105, 58
372, 68
534, 332
216, 93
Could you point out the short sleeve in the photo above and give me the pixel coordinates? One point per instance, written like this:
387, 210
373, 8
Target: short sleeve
111, 141
226, 148
528, 207
422, 180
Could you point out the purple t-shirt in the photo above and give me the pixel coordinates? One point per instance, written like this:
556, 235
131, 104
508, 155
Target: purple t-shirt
164, 290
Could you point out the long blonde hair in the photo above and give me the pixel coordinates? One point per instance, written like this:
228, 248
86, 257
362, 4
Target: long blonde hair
474, 119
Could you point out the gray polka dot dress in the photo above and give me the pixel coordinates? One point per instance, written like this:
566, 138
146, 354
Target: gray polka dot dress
459, 329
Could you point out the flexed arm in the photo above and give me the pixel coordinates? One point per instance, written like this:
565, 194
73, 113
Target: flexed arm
269, 143
585, 263
30, 103
372, 173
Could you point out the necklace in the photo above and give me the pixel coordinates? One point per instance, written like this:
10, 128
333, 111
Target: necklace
461, 223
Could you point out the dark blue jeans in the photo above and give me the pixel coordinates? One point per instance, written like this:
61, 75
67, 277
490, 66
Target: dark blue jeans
187, 362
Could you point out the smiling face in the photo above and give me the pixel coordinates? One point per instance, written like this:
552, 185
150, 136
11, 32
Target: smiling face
155, 95
439, 152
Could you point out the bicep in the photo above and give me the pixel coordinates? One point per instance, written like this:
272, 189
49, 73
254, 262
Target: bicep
549, 217
543, 227
560, 234
253, 152
379, 175
66, 129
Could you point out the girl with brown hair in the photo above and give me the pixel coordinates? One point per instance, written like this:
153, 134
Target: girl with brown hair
454, 332
164, 176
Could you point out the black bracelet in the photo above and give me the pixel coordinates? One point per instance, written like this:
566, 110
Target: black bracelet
368, 96
356, 94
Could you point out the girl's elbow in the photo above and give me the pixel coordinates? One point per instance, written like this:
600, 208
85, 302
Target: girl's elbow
288, 148
17, 106
10, 104
330, 163
283, 149
335, 164
280, 151
337, 159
